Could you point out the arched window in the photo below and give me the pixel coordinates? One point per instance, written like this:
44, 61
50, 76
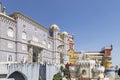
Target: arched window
24, 35
10, 58
84, 72
10, 32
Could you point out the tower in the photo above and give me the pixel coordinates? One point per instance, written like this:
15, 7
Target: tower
54, 33
107, 59
107, 62
65, 37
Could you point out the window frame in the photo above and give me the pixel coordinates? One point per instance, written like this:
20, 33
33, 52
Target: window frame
10, 45
24, 35
10, 32
10, 58
24, 47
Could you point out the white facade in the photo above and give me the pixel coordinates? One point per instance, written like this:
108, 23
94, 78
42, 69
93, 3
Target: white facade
24, 40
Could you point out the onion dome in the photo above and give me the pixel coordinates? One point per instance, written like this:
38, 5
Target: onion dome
64, 33
54, 26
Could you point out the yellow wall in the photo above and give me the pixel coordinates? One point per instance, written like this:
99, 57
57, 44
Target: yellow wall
73, 56
107, 62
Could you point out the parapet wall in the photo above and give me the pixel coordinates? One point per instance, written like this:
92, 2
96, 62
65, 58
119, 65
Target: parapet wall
31, 71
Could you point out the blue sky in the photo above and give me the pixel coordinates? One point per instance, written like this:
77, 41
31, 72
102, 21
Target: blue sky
94, 23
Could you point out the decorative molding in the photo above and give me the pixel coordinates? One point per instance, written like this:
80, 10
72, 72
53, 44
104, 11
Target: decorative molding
8, 51
22, 53
29, 20
13, 40
7, 20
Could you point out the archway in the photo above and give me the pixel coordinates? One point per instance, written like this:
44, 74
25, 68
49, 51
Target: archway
18, 76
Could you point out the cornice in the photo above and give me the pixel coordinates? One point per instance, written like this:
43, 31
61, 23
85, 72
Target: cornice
6, 19
15, 15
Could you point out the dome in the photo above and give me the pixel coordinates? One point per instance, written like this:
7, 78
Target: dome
64, 33
54, 26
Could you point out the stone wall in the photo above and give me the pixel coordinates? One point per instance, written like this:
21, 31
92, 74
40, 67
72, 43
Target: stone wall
30, 71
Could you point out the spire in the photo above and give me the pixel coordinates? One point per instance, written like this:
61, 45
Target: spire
111, 46
4, 10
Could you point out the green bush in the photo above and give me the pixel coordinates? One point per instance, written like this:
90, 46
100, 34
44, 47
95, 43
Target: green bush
57, 77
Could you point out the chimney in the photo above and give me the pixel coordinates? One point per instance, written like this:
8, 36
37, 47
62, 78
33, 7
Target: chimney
0, 7
4, 10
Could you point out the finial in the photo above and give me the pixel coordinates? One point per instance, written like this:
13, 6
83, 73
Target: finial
4, 10
111, 46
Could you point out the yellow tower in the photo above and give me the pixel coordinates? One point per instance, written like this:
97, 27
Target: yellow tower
107, 59
74, 56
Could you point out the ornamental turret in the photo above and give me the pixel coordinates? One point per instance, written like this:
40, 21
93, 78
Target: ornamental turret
107, 59
4, 10
54, 30
54, 33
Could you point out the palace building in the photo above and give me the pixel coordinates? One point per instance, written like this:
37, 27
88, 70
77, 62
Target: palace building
28, 48
23, 40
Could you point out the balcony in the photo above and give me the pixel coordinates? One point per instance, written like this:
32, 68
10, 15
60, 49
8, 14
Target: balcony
37, 44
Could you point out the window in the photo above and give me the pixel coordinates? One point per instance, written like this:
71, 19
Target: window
60, 48
84, 72
35, 39
49, 45
10, 32
24, 47
24, 35
44, 42
23, 59
35, 30
24, 27
10, 58
10, 45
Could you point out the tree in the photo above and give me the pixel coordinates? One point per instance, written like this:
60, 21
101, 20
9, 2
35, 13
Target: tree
61, 68
57, 77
